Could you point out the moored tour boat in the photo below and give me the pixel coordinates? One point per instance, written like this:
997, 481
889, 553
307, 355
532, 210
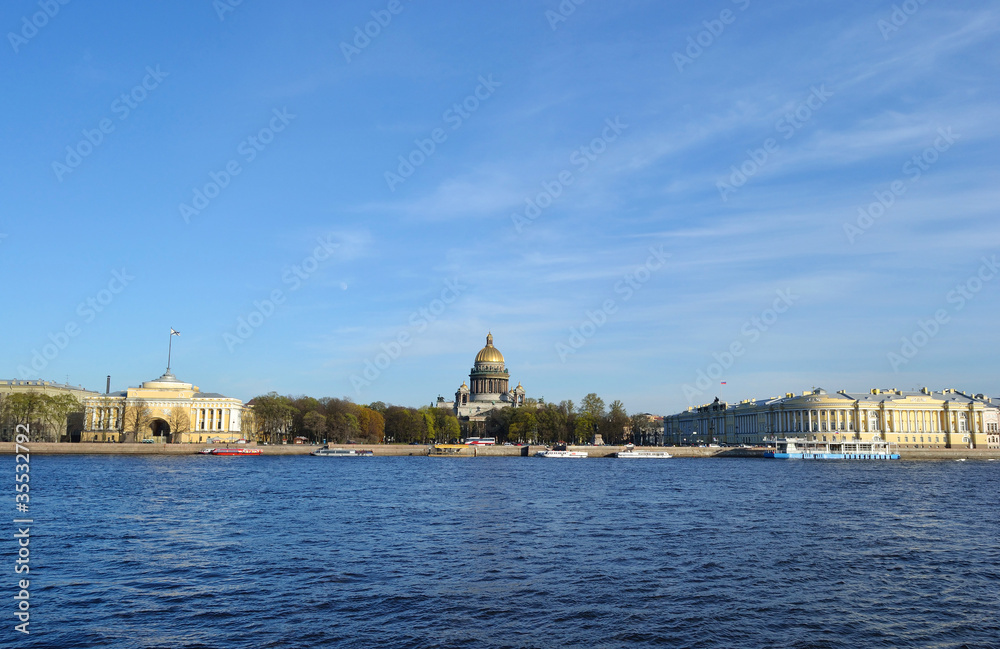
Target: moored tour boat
236, 451
560, 454
326, 451
558, 450
798, 448
656, 455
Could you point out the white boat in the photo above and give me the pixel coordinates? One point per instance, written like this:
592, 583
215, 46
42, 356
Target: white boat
341, 452
206, 451
562, 454
653, 455
798, 448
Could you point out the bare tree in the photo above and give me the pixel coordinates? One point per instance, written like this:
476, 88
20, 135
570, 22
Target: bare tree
136, 418
179, 420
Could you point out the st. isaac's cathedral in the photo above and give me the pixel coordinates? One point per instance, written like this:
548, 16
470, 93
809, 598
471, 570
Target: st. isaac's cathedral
490, 387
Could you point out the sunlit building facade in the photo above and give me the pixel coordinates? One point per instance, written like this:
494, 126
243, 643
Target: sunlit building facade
918, 419
166, 410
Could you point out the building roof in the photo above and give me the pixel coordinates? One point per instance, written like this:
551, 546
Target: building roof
43, 384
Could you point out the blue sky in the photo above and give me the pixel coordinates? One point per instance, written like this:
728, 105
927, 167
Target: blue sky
639, 199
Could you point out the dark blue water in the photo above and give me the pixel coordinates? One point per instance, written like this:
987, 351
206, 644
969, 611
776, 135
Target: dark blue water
509, 552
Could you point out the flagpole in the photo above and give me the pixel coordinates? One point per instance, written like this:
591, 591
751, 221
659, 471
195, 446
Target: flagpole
170, 345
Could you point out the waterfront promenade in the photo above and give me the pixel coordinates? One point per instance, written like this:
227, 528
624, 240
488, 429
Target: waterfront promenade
97, 448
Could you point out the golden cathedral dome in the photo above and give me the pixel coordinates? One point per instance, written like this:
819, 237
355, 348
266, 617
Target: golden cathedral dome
489, 353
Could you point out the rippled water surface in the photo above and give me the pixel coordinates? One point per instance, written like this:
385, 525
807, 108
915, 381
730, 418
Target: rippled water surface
206, 551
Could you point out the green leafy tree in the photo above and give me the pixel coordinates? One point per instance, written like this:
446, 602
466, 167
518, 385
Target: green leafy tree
523, 425
446, 425
404, 425
314, 425
430, 430
451, 431
553, 424
584, 428
372, 425
498, 423
593, 406
25, 408
275, 416
614, 425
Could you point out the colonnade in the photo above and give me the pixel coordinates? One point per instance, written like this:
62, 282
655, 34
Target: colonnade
489, 386
213, 419
110, 418
105, 418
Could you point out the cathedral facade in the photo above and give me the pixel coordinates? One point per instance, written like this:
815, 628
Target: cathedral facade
488, 388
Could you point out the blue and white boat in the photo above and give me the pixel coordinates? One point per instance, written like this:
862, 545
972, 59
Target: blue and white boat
798, 448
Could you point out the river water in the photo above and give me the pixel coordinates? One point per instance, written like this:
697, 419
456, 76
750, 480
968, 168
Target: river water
204, 551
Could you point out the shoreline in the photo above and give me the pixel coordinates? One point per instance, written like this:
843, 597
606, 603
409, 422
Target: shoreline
403, 450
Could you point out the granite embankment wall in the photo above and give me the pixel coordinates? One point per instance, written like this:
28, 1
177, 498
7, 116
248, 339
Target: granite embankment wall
92, 448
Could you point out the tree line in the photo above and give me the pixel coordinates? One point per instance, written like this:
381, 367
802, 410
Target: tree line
538, 422
49, 416
274, 418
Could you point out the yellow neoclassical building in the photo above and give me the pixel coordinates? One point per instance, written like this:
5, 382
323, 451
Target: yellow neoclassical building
915, 419
164, 410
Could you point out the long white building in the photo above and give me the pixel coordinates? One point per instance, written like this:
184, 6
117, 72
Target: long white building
921, 419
